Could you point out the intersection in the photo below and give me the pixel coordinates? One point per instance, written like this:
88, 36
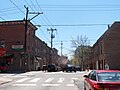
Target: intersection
39, 80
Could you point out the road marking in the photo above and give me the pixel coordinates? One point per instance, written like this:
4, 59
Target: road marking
73, 79
24, 85
49, 79
50, 84
35, 80
70, 85
19, 76
61, 80
22, 80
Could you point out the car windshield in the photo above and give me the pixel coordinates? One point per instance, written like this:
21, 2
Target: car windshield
109, 76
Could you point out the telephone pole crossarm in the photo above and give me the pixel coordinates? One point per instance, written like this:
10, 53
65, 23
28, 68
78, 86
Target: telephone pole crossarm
52, 36
37, 13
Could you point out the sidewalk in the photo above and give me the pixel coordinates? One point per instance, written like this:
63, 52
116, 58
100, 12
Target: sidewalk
4, 80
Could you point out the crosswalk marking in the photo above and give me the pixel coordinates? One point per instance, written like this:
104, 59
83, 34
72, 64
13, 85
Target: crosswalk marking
35, 80
61, 80
49, 79
22, 80
72, 79
31, 82
24, 85
50, 84
70, 85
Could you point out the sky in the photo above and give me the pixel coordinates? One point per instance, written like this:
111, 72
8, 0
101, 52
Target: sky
70, 18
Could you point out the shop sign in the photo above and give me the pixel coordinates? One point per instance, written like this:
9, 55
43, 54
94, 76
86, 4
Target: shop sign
17, 47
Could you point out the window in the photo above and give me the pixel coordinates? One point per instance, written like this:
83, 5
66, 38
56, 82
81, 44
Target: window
92, 76
109, 76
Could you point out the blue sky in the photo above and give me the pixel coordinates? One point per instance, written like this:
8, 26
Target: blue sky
62, 13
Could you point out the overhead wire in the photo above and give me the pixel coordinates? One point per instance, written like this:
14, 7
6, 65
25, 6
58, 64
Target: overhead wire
16, 6
2, 18
34, 10
45, 15
30, 8
47, 19
68, 25
81, 7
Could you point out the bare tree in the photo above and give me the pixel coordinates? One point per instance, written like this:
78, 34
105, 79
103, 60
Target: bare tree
81, 44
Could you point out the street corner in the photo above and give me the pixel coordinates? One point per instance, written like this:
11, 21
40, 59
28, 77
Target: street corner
4, 80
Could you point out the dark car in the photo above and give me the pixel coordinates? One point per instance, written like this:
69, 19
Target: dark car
70, 68
102, 80
78, 68
51, 68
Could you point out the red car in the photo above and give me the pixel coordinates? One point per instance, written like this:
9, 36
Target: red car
102, 80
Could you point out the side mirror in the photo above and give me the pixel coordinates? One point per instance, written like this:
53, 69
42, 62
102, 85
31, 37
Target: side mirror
86, 76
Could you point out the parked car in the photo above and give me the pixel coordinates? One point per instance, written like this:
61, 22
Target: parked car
102, 80
59, 68
78, 68
51, 68
70, 68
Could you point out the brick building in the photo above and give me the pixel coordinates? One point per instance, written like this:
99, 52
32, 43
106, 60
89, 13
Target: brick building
34, 55
106, 51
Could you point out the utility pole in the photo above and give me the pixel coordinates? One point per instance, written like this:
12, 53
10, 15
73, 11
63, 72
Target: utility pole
61, 47
27, 55
26, 19
26, 23
52, 36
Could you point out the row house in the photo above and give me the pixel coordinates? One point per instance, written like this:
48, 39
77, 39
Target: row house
42, 53
28, 51
106, 51
55, 56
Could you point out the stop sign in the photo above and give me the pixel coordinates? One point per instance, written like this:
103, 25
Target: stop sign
2, 52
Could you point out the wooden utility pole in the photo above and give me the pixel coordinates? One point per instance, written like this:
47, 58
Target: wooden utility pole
61, 47
52, 36
26, 19
27, 55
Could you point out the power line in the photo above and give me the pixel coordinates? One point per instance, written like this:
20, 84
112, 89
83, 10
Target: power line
81, 5
57, 10
33, 4
2, 18
28, 5
77, 25
16, 6
46, 16
44, 34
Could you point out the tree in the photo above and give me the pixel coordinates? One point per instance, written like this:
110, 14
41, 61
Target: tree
82, 50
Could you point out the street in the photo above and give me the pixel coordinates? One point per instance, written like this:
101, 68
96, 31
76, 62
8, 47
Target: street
38, 80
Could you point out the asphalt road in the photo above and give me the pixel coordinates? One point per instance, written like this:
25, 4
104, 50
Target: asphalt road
38, 80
